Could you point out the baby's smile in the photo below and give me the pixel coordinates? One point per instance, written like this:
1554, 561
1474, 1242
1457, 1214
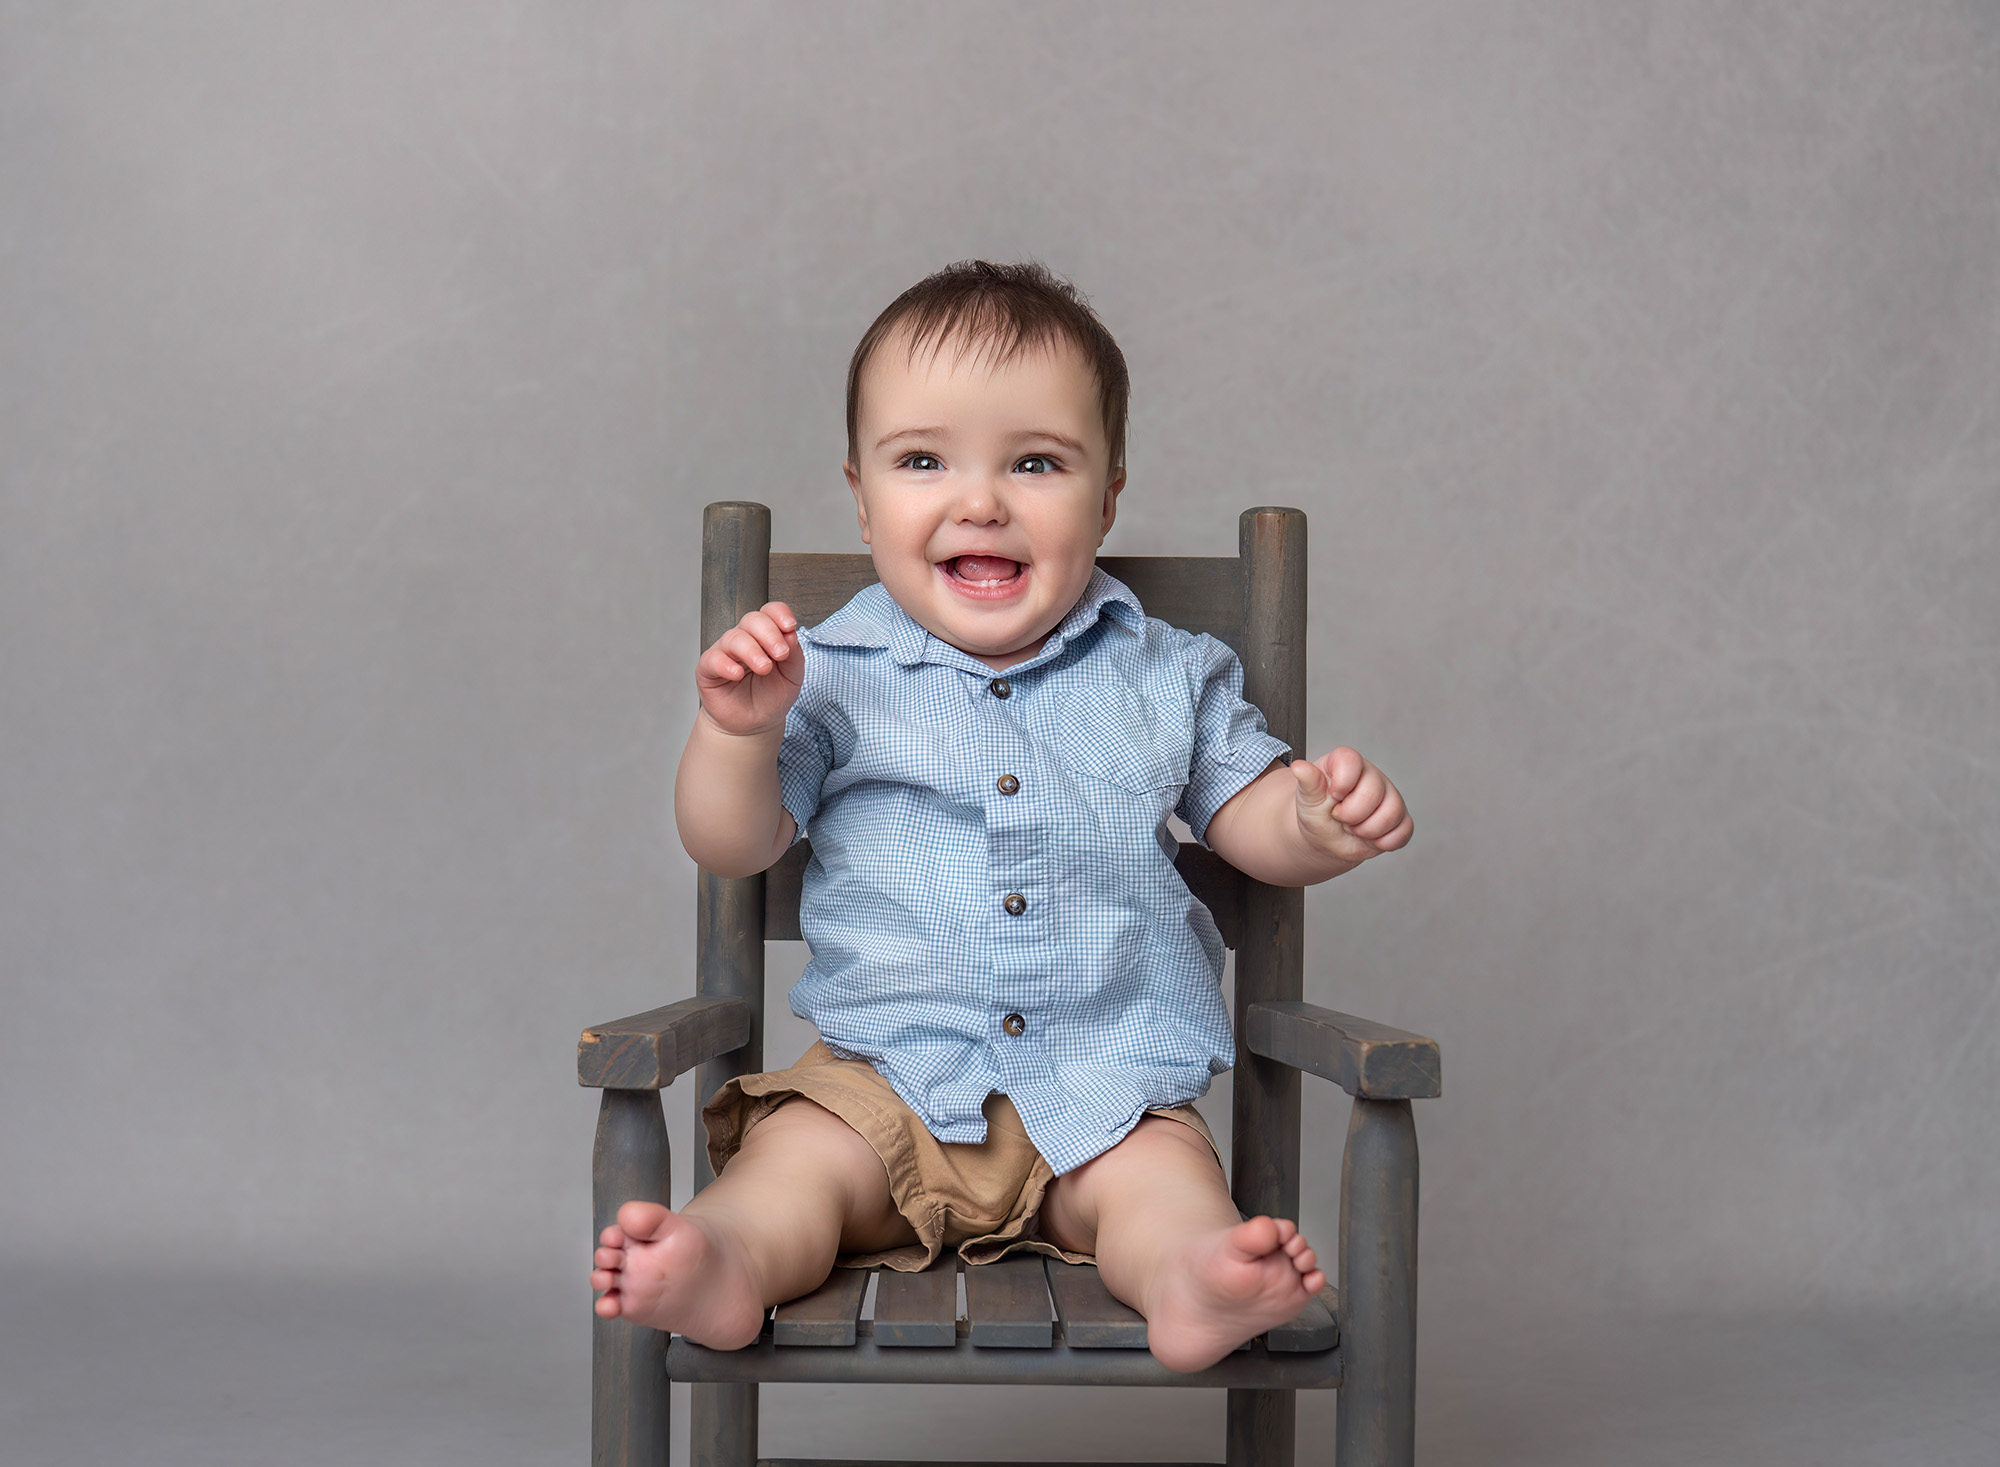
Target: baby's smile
988, 577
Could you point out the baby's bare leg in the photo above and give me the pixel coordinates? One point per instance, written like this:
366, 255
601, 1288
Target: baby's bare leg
1169, 1242
803, 1188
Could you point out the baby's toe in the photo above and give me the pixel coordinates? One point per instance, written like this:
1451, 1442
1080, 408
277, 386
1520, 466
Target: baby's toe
642, 1221
612, 1237
609, 1258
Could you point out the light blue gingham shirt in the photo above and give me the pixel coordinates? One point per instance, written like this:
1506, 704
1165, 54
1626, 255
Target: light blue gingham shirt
893, 763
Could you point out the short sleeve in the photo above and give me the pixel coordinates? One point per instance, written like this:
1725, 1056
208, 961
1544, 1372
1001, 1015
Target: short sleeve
804, 760
1231, 746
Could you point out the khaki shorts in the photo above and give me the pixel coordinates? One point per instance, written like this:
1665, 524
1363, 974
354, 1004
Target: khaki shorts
982, 1199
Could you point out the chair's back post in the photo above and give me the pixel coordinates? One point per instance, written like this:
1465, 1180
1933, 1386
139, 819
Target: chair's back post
729, 944
729, 952
1270, 962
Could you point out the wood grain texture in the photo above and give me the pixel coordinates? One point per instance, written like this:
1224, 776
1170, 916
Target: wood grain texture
1312, 1328
1270, 960
827, 1316
784, 883
647, 1051
867, 1362
880, 1462
1091, 1318
918, 1309
1361, 1057
628, 1380
1008, 1303
1376, 1421
1200, 593
729, 912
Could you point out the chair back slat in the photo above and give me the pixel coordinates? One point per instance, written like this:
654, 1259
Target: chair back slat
1203, 593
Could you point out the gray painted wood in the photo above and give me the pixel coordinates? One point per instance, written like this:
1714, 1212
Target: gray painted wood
1200, 593
1008, 1303
918, 1309
1377, 1417
729, 936
722, 1425
1217, 885
868, 1362
1270, 959
628, 1380
825, 1317
1260, 1427
1091, 1318
1312, 1328
877, 1462
729, 912
1361, 1057
648, 1051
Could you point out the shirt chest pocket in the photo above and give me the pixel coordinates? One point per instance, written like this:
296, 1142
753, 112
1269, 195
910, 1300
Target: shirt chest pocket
1115, 736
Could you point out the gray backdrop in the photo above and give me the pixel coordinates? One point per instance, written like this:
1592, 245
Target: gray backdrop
364, 367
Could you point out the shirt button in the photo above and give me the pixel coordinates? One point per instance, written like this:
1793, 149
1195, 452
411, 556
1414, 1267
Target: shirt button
1001, 688
1007, 785
1015, 904
1015, 1025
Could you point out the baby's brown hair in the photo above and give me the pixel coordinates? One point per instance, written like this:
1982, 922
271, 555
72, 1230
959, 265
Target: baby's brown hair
1005, 310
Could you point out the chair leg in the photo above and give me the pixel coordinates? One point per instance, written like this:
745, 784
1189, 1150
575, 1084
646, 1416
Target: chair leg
628, 1364
722, 1425
1263, 1427
1376, 1422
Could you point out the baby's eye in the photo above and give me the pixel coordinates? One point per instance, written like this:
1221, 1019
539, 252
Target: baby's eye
1036, 463
928, 463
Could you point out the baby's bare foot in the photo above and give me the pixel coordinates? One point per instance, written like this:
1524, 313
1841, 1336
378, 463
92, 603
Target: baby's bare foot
659, 1269
1232, 1285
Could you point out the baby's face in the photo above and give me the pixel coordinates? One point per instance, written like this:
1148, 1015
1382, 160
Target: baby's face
983, 491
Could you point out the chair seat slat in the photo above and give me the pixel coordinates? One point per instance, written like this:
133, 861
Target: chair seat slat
1312, 1328
918, 1309
1091, 1318
827, 1315
1008, 1303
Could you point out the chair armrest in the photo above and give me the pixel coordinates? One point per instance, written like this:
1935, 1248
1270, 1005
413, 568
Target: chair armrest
1365, 1059
646, 1051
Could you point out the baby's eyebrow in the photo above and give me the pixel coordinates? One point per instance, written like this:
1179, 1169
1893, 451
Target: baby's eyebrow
902, 433
1062, 440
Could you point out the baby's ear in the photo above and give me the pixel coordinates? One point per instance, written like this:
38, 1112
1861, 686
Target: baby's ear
1112, 489
860, 504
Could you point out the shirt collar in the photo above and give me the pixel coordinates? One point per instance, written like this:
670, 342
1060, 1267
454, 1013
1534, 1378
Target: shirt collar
873, 619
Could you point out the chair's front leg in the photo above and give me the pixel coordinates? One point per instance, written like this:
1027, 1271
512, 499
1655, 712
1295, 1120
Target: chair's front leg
1377, 1411
628, 1363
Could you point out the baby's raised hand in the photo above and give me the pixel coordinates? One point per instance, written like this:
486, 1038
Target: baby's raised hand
750, 678
1347, 807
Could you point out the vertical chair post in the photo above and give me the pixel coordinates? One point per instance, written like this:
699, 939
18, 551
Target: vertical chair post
628, 1363
1376, 1424
729, 942
1270, 961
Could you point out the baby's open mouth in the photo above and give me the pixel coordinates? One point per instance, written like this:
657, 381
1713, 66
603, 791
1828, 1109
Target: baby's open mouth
983, 570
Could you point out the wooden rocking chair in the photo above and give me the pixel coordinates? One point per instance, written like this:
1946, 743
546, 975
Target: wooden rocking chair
1030, 1320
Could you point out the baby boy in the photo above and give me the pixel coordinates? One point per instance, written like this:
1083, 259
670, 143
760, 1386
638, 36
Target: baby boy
1016, 995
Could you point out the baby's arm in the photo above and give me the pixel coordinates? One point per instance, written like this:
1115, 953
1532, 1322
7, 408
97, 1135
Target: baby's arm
1305, 824
726, 800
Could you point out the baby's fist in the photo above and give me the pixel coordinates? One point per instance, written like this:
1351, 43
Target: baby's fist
1347, 807
750, 678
